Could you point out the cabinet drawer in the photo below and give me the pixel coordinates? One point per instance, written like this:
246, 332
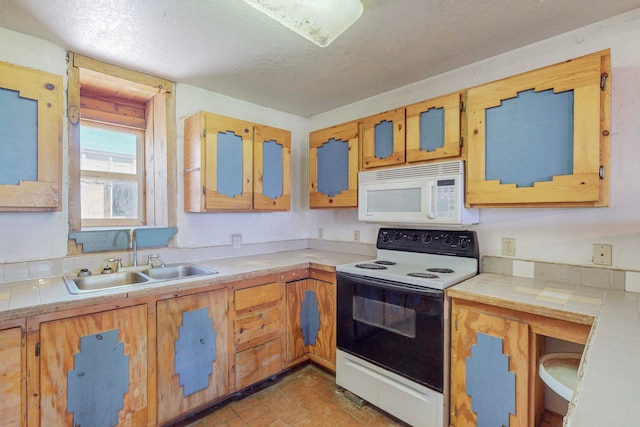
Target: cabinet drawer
256, 329
256, 296
258, 363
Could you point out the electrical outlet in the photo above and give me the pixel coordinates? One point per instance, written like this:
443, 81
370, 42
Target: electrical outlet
320, 233
356, 235
601, 254
236, 240
508, 246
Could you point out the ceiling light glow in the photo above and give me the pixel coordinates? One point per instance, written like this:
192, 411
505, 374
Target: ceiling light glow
320, 21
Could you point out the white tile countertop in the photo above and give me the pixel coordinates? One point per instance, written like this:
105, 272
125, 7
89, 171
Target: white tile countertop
35, 296
608, 388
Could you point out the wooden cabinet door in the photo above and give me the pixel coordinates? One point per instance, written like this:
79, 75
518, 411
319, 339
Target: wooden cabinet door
193, 352
93, 369
489, 370
271, 169
433, 128
541, 138
30, 139
333, 166
383, 141
228, 163
12, 374
311, 320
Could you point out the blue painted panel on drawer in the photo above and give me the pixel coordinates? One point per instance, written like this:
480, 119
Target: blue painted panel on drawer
229, 164
272, 169
100, 378
333, 167
310, 318
195, 351
530, 138
489, 383
432, 129
18, 138
114, 239
383, 139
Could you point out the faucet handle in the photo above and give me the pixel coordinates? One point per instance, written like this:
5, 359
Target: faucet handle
118, 262
154, 261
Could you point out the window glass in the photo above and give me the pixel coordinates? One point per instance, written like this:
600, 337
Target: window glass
111, 174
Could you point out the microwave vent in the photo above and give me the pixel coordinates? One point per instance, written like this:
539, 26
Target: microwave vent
409, 172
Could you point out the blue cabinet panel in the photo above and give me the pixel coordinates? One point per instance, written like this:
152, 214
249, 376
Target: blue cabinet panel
490, 384
195, 351
18, 138
310, 318
229, 169
333, 167
97, 384
530, 138
272, 180
383, 139
432, 129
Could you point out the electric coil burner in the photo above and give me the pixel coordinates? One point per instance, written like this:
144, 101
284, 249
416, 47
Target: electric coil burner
393, 321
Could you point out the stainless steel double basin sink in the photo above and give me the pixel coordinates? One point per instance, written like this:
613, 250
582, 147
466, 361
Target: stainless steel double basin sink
78, 285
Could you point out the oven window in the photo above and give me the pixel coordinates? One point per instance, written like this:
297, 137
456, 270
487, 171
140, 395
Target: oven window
396, 200
385, 315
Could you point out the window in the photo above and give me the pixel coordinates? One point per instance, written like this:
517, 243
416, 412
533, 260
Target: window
111, 174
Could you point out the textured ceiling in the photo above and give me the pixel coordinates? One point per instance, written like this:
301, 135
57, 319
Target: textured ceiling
229, 47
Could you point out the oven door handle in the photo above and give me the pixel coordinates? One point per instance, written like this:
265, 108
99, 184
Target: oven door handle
391, 285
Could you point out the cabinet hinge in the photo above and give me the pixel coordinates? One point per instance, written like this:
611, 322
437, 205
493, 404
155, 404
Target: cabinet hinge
204, 133
455, 323
601, 172
37, 349
603, 81
462, 106
455, 410
204, 190
461, 141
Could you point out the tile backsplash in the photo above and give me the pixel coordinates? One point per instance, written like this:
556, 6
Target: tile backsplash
600, 277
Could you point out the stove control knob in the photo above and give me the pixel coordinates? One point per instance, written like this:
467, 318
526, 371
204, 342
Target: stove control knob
463, 243
426, 238
447, 239
385, 236
415, 237
398, 235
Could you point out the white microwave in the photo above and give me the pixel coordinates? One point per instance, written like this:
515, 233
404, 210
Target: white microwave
425, 194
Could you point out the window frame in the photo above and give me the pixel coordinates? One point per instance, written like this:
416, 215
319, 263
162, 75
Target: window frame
160, 145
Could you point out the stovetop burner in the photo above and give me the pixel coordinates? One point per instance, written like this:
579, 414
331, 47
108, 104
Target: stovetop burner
424, 275
368, 266
440, 270
384, 262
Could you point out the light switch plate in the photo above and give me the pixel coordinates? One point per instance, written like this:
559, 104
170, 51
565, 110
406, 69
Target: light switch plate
601, 254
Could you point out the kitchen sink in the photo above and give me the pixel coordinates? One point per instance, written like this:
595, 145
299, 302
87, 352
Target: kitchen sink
98, 282
78, 285
177, 271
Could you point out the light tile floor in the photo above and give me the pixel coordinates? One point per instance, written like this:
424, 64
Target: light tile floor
306, 397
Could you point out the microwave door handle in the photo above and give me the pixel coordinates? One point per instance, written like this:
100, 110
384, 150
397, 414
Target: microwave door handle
432, 202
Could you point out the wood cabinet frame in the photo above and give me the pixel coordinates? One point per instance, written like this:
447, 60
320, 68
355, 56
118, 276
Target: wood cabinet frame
350, 133
45, 194
397, 157
589, 184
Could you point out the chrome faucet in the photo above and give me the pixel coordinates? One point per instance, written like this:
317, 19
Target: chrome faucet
133, 243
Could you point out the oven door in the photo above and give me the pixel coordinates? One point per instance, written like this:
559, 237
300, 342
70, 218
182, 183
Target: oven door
393, 325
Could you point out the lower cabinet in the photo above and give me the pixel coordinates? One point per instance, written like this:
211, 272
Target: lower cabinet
489, 370
192, 337
257, 333
311, 321
12, 371
93, 369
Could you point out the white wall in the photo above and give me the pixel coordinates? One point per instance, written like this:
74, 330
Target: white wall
34, 235
214, 229
556, 235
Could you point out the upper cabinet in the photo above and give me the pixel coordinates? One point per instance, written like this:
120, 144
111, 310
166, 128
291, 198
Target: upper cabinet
383, 139
30, 139
541, 138
433, 129
333, 166
234, 165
